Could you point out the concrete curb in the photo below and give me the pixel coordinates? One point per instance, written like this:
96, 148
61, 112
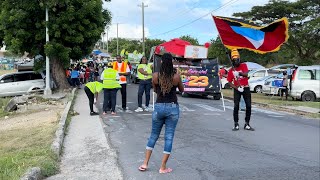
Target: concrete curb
34, 173
58, 141
278, 108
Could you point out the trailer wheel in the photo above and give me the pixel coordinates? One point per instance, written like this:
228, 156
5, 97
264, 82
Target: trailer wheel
216, 97
183, 94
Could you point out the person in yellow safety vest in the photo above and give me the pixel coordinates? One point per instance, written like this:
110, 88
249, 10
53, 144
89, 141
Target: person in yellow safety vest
111, 85
92, 89
124, 71
145, 77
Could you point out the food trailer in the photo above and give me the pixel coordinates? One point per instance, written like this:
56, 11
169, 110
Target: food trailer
199, 74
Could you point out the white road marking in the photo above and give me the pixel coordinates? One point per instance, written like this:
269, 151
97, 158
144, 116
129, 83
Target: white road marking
144, 114
208, 107
184, 108
275, 116
229, 107
211, 114
266, 111
258, 110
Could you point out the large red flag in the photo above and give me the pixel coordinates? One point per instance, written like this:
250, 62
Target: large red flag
237, 34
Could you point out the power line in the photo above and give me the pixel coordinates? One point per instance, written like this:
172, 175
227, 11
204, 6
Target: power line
191, 22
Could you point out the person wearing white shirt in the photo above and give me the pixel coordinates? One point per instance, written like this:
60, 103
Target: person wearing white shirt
124, 71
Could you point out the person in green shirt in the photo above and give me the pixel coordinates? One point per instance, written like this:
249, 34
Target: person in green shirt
92, 89
145, 76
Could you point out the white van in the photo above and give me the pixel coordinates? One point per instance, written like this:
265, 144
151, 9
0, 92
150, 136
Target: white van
19, 83
305, 84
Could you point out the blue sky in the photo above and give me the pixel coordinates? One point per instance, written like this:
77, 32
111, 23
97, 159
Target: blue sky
162, 17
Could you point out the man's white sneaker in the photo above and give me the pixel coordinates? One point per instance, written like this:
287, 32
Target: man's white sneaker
146, 109
139, 109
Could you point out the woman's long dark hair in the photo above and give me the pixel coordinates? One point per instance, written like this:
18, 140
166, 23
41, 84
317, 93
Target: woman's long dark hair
166, 73
142, 58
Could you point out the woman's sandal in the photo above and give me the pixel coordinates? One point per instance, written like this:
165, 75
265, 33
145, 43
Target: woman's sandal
142, 168
167, 170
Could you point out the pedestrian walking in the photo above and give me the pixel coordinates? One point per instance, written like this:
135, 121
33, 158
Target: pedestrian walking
81, 76
238, 80
166, 111
92, 90
145, 76
75, 77
111, 85
123, 69
87, 74
284, 85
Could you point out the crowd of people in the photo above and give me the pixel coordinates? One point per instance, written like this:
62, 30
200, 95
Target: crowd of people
110, 78
113, 77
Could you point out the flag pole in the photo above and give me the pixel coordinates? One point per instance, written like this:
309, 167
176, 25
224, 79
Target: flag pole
220, 88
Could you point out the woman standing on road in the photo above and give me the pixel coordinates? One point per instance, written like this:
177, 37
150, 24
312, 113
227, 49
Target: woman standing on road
145, 76
166, 110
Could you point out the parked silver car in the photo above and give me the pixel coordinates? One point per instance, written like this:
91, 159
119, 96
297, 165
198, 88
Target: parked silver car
257, 85
19, 83
305, 83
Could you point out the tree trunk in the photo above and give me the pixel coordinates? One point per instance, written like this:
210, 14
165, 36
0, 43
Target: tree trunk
59, 75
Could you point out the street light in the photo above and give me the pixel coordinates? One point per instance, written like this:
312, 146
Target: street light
47, 90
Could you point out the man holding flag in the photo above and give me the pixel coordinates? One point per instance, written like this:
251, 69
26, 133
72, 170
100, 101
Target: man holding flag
238, 34
238, 80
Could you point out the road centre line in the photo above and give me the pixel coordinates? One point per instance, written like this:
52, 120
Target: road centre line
208, 107
185, 108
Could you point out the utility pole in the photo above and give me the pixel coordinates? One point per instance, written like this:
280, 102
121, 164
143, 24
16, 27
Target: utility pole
103, 40
107, 40
117, 40
47, 90
143, 43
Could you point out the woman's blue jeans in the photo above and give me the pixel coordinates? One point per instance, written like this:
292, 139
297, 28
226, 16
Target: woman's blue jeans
144, 86
168, 114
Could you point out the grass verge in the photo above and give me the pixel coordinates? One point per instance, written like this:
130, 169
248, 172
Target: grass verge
3, 103
71, 112
25, 147
6, 71
276, 100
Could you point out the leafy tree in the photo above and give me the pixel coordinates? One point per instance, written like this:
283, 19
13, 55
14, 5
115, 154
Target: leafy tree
304, 17
127, 44
74, 28
216, 50
151, 43
192, 40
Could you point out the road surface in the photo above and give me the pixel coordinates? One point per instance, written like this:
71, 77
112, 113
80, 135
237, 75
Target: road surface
284, 146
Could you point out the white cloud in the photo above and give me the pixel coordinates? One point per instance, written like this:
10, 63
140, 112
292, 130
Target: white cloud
132, 31
165, 15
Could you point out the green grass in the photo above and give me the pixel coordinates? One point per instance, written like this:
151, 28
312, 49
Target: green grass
274, 100
25, 147
3, 103
71, 112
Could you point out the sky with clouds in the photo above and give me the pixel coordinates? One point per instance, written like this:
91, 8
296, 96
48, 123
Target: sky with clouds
167, 19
